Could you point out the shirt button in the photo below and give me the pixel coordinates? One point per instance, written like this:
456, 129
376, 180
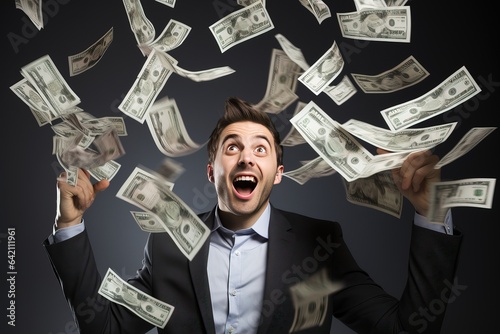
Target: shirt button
237, 253
230, 330
233, 293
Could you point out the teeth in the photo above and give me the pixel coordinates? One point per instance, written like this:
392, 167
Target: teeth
245, 178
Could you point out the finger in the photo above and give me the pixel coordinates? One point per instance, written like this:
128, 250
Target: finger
416, 168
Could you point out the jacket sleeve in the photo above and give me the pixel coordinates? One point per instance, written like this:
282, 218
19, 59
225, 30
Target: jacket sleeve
74, 265
366, 308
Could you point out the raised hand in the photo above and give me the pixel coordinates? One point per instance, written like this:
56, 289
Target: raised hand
72, 201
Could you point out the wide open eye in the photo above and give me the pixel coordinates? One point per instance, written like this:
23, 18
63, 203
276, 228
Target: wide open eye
261, 150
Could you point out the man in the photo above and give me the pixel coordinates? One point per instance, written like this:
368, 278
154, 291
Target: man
241, 279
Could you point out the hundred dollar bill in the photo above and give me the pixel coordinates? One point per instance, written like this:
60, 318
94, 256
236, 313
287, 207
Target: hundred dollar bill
101, 149
473, 137
277, 102
293, 137
33, 9
43, 74
172, 36
170, 3
143, 29
377, 191
168, 131
282, 77
152, 310
386, 161
203, 75
170, 169
106, 171
318, 8
474, 192
315, 168
310, 300
390, 24
366, 4
391, 3
456, 89
148, 222
96, 125
341, 92
241, 25
150, 193
249, 2
324, 70
150, 81
404, 140
293, 52
337, 146
406, 74
29, 95
87, 59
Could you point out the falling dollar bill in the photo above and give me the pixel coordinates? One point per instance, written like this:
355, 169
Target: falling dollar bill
331, 141
152, 310
203, 75
29, 95
404, 140
150, 81
315, 168
43, 74
33, 9
154, 195
366, 4
324, 70
293, 137
377, 191
474, 192
87, 59
168, 131
171, 37
310, 300
456, 89
241, 25
293, 52
341, 92
318, 8
281, 83
390, 24
143, 29
148, 222
473, 137
339, 148
106, 171
406, 74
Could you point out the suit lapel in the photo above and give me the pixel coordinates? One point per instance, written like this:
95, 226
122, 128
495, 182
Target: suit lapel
199, 278
279, 260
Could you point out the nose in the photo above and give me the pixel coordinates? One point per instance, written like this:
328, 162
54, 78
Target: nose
246, 158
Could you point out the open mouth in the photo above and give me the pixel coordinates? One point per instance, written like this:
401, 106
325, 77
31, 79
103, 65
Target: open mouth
244, 185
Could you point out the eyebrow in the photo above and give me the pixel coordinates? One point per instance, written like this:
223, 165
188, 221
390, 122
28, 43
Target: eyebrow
236, 136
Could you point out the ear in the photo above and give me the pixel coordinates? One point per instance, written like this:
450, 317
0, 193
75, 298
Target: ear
210, 173
279, 174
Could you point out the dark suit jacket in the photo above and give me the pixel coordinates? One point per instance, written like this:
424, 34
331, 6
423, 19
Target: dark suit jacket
298, 247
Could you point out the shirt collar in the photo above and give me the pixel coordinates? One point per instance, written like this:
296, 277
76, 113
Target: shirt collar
261, 226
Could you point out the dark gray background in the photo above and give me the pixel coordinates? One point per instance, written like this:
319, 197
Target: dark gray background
444, 37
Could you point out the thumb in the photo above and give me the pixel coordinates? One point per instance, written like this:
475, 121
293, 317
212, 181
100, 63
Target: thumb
101, 185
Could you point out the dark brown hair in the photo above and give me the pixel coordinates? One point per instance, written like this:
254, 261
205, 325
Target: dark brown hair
238, 110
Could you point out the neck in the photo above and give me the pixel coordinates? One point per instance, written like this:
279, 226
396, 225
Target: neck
235, 222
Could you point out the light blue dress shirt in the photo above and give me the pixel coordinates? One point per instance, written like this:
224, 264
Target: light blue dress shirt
236, 274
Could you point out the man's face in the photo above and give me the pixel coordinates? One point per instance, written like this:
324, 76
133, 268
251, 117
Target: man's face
245, 169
